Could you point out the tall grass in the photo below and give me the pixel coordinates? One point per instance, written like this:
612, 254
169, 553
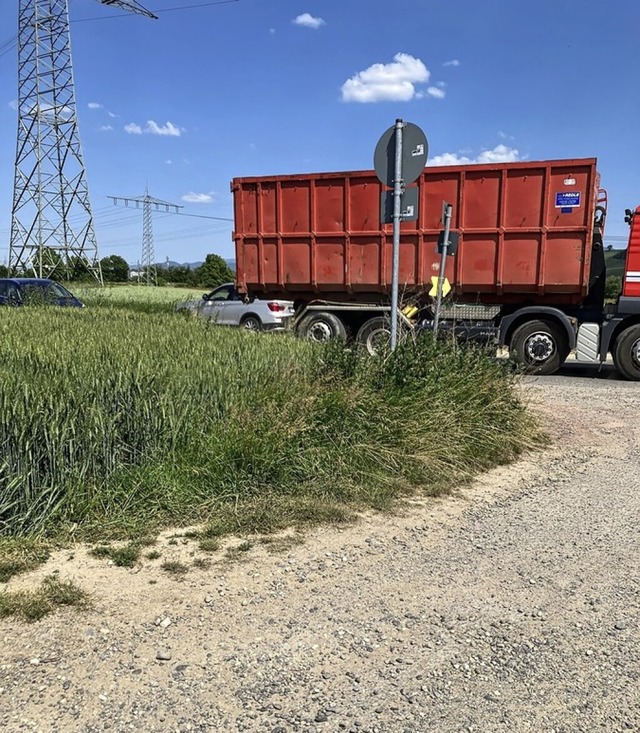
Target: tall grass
137, 298
113, 422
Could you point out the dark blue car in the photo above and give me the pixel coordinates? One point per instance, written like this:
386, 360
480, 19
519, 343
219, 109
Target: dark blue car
35, 291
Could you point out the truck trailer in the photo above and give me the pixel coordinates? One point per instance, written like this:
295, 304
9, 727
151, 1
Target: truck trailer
528, 271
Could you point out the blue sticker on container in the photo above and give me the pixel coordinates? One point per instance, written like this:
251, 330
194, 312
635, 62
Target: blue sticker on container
568, 200
566, 210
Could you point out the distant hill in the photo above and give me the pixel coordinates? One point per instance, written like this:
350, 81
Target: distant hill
191, 265
615, 261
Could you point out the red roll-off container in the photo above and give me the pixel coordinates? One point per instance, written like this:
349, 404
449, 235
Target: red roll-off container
525, 231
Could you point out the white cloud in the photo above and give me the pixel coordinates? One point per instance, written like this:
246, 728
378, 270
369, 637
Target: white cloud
453, 62
112, 115
306, 20
272, 31
436, 92
106, 128
13, 104
95, 105
197, 198
499, 154
393, 82
153, 128
169, 129
169, 162
449, 159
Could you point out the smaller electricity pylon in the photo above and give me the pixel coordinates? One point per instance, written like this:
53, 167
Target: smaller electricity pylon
148, 254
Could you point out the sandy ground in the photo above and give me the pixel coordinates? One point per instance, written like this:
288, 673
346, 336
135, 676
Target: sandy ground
512, 606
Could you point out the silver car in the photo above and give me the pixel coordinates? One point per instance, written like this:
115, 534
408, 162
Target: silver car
226, 306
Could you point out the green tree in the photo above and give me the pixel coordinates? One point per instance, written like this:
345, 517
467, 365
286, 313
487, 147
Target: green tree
114, 269
214, 271
48, 261
613, 287
4, 271
180, 276
78, 268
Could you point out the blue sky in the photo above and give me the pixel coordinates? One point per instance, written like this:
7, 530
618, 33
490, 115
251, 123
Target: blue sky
256, 87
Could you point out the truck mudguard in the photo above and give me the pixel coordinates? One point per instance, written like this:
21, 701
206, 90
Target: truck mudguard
532, 313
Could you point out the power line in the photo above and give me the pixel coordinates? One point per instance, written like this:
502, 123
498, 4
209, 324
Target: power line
202, 216
11, 43
158, 12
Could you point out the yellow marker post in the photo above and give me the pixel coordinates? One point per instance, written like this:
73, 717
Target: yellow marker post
446, 287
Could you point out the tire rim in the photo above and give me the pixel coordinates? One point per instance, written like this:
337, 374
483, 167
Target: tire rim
320, 331
539, 347
250, 325
635, 353
377, 339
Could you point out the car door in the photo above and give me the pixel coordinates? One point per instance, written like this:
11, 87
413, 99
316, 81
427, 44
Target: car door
233, 309
215, 305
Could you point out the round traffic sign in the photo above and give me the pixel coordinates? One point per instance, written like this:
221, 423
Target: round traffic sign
415, 149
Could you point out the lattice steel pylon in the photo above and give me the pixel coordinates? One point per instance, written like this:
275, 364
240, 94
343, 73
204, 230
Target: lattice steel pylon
51, 220
148, 253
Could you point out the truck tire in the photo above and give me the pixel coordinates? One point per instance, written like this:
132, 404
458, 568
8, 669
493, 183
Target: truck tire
322, 327
540, 347
626, 354
375, 334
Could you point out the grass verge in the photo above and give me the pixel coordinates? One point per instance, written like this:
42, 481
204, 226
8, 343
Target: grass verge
115, 424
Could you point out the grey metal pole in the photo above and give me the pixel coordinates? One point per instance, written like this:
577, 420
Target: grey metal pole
397, 217
448, 209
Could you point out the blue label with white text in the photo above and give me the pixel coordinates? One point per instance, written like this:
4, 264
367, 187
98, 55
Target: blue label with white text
567, 199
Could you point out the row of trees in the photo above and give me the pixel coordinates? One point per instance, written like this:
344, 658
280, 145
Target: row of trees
214, 271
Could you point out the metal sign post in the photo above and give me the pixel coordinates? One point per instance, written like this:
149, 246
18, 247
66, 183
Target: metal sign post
398, 188
400, 157
447, 210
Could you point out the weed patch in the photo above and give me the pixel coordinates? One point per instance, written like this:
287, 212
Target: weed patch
124, 557
34, 605
174, 567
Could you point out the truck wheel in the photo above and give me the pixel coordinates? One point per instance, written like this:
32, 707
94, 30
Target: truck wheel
539, 347
322, 327
251, 323
626, 355
375, 334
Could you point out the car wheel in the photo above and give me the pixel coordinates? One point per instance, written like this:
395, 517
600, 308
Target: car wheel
251, 323
540, 347
322, 327
626, 354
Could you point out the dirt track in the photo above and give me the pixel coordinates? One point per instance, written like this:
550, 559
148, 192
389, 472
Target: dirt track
512, 607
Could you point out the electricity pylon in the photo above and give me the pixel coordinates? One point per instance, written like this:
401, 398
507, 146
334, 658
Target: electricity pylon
148, 253
51, 219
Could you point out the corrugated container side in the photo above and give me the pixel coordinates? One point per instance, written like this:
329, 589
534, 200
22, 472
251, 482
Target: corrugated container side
319, 235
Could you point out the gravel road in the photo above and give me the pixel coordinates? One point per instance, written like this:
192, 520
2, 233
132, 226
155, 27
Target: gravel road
513, 606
